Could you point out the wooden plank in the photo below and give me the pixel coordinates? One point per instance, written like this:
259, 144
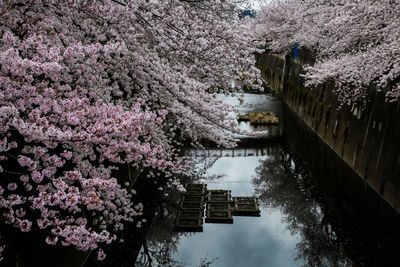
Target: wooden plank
219, 192
219, 216
219, 207
219, 199
196, 191
244, 209
195, 186
245, 200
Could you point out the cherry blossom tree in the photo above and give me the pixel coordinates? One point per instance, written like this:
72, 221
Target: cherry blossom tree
355, 42
87, 85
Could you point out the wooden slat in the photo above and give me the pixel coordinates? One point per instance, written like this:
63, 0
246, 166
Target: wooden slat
195, 186
245, 200
219, 207
219, 192
244, 209
219, 199
196, 191
219, 217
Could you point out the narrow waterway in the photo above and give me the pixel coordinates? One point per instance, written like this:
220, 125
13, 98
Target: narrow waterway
267, 240
249, 241
315, 211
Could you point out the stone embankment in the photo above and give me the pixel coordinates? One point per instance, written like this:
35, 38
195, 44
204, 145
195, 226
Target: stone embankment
367, 139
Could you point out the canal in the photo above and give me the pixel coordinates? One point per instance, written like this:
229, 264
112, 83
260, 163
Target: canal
315, 211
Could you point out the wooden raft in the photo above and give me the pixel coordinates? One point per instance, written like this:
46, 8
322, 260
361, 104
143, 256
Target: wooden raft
221, 208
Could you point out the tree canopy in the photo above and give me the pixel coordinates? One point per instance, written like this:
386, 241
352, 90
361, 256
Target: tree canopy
355, 42
87, 85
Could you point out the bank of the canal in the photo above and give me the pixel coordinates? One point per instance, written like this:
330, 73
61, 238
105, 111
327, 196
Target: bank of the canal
364, 135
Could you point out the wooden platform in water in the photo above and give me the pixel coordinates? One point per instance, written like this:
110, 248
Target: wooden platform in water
189, 221
245, 200
221, 208
191, 209
219, 199
196, 189
219, 216
219, 192
191, 186
244, 209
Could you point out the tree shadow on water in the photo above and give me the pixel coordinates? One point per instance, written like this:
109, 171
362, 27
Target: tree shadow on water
282, 185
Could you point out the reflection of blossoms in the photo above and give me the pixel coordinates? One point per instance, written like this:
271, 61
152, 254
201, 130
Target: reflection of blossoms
278, 182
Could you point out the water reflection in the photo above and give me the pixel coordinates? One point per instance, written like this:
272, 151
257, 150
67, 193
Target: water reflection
314, 210
299, 225
160, 242
252, 102
362, 223
250, 241
277, 238
256, 103
283, 186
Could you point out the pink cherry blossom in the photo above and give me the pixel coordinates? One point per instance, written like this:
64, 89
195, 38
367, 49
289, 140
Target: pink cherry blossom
20, 212
355, 43
51, 240
101, 255
12, 186
37, 176
24, 178
78, 99
24, 225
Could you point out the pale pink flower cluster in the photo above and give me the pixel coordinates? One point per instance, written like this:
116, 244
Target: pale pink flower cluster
48, 103
355, 43
78, 99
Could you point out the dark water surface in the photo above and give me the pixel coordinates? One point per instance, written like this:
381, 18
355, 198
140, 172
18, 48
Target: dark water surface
315, 211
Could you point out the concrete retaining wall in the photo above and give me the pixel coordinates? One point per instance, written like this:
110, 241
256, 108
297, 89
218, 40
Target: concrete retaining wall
366, 139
